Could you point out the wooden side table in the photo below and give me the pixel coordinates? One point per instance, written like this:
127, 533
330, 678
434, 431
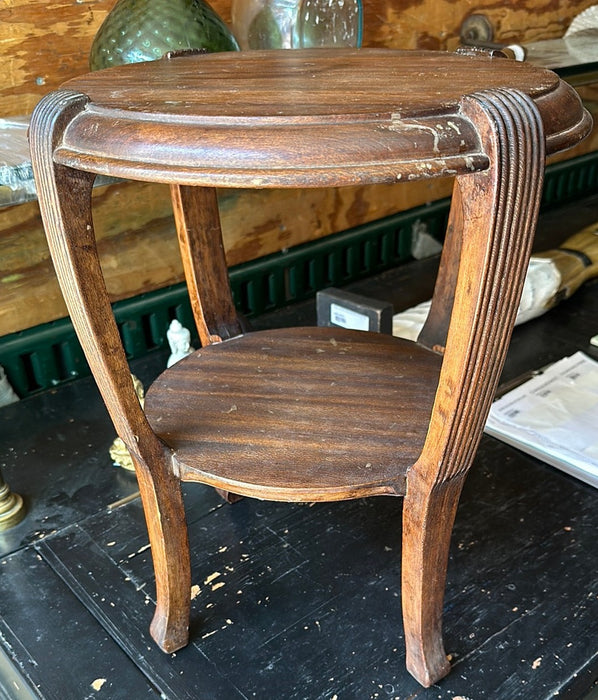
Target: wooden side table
309, 413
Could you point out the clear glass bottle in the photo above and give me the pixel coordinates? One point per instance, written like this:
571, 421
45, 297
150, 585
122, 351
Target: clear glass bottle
291, 24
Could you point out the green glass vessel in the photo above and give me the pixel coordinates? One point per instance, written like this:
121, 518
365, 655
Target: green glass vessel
144, 30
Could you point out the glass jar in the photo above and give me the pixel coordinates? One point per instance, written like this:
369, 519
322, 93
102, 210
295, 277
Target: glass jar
144, 30
292, 24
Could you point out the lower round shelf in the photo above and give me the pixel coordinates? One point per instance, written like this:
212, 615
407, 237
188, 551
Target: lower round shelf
300, 414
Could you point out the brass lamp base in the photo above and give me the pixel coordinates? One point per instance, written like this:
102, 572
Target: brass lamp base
12, 508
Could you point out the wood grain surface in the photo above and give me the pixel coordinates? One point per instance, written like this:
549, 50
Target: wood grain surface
293, 112
272, 414
46, 42
519, 588
230, 413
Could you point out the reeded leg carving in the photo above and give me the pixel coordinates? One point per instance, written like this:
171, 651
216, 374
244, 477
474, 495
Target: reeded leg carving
499, 213
65, 204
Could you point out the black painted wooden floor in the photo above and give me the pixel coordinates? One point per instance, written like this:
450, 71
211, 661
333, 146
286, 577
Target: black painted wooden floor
297, 601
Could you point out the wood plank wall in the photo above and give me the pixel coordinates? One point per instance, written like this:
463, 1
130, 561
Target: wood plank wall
45, 42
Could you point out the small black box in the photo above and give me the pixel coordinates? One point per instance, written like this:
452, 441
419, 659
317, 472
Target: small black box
336, 307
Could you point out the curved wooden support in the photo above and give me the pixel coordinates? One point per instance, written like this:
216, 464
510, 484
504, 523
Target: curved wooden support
202, 251
435, 329
200, 240
499, 213
428, 518
65, 204
167, 528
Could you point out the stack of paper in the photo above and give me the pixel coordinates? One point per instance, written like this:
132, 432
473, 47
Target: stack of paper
554, 416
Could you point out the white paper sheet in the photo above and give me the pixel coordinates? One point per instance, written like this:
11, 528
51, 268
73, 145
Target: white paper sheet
554, 416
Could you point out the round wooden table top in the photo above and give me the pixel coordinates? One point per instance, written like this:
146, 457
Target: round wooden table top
301, 118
